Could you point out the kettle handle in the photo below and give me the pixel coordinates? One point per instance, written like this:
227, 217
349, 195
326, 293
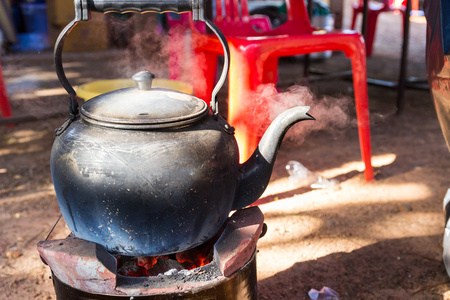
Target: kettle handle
83, 7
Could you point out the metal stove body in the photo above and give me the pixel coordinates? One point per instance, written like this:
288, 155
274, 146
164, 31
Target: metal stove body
86, 270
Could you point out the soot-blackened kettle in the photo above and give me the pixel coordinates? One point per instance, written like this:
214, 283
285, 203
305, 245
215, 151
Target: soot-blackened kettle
148, 171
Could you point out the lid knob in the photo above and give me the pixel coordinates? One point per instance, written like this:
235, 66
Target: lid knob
143, 80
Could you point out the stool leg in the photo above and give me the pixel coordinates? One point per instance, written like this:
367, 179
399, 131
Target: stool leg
372, 18
354, 16
5, 108
270, 73
358, 59
245, 75
205, 67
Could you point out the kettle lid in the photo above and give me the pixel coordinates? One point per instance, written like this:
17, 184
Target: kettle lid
144, 107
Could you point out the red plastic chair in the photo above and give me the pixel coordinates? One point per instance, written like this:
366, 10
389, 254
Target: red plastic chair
179, 24
373, 10
5, 108
254, 61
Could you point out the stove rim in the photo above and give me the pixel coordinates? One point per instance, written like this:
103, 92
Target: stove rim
234, 281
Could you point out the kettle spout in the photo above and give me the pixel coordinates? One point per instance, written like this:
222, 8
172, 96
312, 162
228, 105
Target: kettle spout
256, 171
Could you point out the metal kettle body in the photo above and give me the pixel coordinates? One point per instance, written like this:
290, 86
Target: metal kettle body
145, 192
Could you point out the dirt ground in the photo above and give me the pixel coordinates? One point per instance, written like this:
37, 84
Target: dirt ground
365, 240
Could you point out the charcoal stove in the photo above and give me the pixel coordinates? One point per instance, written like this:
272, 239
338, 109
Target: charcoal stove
86, 270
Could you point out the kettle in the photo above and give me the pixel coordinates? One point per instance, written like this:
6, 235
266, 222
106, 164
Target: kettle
149, 171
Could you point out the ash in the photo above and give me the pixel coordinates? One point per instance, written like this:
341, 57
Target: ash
171, 278
175, 272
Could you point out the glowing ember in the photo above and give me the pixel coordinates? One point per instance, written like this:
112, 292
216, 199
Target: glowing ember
154, 265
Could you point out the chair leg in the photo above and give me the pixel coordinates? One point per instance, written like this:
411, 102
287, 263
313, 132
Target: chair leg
205, 67
358, 59
270, 73
354, 15
5, 108
372, 18
245, 75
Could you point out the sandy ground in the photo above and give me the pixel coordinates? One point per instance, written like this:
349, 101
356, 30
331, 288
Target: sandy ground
377, 240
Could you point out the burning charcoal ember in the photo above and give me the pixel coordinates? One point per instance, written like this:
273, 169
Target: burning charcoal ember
131, 268
195, 258
149, 261
163, 265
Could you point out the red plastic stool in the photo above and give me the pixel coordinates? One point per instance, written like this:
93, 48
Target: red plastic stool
5, 108
373, 10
